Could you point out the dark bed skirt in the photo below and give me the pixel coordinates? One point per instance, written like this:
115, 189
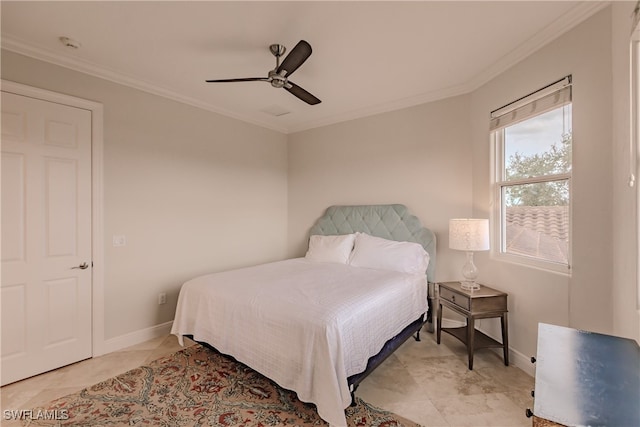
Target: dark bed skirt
388, 348
374, 361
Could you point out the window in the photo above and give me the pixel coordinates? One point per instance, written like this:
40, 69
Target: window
532, 186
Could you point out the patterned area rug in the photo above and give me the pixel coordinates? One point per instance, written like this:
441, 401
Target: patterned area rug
196, 387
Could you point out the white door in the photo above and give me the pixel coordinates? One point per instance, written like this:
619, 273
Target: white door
46, 236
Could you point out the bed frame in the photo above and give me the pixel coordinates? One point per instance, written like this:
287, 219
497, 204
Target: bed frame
392, 222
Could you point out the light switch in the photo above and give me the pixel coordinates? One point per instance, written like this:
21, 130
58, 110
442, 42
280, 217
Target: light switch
119, 240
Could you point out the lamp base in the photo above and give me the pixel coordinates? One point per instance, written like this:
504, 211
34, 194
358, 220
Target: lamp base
469, 286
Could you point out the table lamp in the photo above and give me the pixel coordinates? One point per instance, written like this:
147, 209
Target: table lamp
469, 234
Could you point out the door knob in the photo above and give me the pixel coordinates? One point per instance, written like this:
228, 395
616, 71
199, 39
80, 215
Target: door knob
82, 266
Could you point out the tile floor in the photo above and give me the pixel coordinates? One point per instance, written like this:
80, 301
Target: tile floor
422, 381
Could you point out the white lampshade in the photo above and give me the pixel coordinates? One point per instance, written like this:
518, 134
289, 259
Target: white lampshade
469, 234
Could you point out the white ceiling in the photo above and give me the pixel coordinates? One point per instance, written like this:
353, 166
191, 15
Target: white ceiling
368, 57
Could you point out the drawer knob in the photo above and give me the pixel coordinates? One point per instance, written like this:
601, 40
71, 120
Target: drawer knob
533, 359
453, 298
528, 413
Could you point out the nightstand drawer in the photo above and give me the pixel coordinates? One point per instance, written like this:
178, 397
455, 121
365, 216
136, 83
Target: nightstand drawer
455, 298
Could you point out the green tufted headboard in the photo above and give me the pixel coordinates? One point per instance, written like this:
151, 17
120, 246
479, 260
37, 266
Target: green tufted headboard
393, 222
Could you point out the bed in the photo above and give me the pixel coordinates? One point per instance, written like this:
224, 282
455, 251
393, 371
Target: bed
318, 325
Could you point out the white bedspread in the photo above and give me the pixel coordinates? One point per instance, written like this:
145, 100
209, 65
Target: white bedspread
306, 325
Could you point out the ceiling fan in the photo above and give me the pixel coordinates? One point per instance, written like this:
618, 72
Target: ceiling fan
279, 76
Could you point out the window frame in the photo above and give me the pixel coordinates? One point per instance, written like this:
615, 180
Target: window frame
498, 211
634, 137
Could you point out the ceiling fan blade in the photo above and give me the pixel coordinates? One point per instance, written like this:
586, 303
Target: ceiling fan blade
248, 79
296, 90
296, 58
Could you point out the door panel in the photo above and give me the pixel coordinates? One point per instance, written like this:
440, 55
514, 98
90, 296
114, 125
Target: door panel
14, 332
13, 208
60, 207
61, 327
46, 231
14, 126
61, 134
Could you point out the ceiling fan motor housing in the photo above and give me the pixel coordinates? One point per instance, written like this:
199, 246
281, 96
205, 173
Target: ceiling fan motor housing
276, 79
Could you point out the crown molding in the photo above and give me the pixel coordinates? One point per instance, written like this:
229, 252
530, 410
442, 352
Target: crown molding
551, 32
21, 47
386, 107
558, 27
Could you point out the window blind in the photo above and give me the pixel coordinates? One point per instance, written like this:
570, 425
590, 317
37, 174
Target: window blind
546, 99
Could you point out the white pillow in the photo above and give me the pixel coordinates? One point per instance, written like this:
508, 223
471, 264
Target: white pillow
383, 254
330, 248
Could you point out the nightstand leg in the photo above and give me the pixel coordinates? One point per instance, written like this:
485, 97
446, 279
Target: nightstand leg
471, 329
439, 324
505, 338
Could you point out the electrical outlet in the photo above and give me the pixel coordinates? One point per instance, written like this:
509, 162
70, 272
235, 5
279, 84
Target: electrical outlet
162, 298
119, 241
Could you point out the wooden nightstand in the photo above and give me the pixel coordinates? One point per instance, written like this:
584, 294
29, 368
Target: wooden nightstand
480, 304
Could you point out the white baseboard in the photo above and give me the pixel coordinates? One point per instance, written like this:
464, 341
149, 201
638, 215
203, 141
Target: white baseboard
516, 358
136, 337
521, 361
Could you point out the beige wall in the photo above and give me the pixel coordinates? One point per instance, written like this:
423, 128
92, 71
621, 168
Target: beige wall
626, 317
583, 299
417, 156
436, 159
195, 192
191, 190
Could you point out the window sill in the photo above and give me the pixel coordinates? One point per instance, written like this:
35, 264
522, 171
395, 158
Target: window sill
551, 267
